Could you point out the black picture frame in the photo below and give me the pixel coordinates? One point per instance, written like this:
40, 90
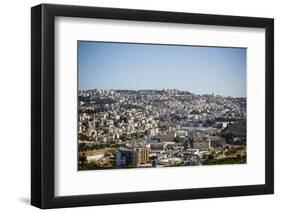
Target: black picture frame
43, 102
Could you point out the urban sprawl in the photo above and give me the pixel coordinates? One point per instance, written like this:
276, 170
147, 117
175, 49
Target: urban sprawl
159, 128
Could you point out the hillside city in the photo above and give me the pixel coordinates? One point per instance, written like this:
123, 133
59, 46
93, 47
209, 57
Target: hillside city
159, 128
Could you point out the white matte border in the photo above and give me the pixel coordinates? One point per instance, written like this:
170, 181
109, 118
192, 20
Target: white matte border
68, 181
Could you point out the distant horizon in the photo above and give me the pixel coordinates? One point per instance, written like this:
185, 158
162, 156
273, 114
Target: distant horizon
130, 66
162, 90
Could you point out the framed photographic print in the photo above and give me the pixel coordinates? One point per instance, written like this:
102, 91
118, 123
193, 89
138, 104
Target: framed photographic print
139, 106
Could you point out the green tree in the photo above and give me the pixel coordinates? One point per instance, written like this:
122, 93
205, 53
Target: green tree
82, 159
178, 139
228, 137
83, 137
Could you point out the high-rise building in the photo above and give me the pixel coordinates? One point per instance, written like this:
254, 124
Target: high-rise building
142, 155
131, 157
126, 158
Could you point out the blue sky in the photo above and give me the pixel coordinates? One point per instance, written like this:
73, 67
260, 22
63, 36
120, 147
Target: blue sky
200, 70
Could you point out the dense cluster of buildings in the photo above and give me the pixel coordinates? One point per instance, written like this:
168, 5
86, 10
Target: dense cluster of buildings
159, 128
